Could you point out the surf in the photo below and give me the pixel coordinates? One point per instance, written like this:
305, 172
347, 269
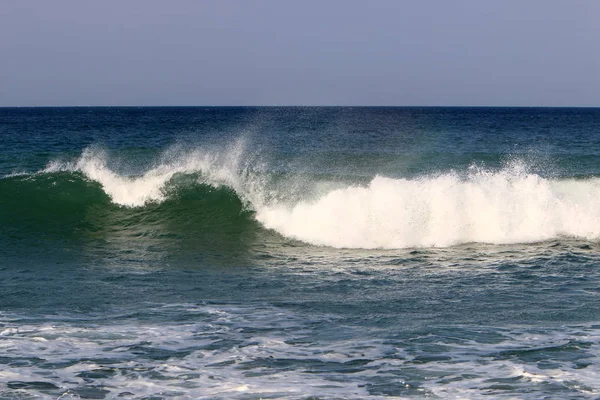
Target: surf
215, 189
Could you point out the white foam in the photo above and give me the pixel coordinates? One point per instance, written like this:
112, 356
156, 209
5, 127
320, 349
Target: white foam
207, 372
231, 353
507, 206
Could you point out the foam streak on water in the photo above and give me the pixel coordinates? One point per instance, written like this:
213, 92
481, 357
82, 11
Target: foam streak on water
255, 351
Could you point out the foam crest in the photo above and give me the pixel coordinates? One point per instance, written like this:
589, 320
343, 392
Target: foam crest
217, 167
506, 206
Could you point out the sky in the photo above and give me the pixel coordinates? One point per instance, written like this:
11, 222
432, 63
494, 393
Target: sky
288, 52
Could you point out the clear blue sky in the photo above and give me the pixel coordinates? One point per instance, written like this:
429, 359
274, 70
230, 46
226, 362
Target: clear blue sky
284, 52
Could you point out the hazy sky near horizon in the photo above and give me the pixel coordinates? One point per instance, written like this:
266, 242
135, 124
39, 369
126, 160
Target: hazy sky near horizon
280, 52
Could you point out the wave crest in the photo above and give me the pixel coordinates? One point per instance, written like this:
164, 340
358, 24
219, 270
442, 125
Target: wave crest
225, 167
507, 206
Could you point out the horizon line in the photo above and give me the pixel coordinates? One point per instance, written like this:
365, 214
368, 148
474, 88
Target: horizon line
298, 106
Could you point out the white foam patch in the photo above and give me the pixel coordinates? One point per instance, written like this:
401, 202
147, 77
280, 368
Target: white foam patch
196, 362
482, 370
16, 174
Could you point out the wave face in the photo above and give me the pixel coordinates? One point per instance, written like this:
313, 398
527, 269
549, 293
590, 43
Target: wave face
224, 190
191, 200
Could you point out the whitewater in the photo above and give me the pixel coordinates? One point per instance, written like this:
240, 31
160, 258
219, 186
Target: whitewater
502, 206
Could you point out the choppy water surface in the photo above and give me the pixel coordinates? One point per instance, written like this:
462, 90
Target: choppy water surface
299, 253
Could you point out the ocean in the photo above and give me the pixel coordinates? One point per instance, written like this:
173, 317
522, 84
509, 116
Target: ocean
299, 253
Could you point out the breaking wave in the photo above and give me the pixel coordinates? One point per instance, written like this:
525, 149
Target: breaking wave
231, 186
507, 206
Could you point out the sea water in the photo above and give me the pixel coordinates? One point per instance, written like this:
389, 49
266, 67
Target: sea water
299, 253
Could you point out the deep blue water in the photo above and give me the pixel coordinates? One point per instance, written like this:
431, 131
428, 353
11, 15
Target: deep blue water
299, 253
